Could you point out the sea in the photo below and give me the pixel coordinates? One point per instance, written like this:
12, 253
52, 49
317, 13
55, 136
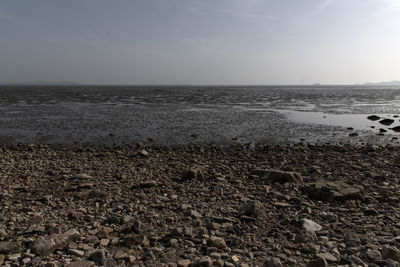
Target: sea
184, 115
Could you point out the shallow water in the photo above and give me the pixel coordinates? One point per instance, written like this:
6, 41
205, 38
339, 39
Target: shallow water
196, 114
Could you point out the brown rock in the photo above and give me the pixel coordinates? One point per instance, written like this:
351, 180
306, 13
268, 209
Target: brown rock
333, 191
284, 176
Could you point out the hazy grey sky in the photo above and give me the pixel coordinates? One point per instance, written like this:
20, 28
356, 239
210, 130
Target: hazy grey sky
200, 41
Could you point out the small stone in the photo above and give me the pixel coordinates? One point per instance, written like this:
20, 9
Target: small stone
120, 254
327, 256
373, 254
205, 262
235, 258
386, 122
252, 208
76, 252
310, 226
2, 258
77, 215
44, 246
25, 261
144, 153
7, 247
184, 263
320, 262
190, 173
217, 242
373, 117
110, 262
82, 176
98, 256
195, 214
14, 257
284, 176
391, 253
104, 242
82, 263
274, 262
148, 184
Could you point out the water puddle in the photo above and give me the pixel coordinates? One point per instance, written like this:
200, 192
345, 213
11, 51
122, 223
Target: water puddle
354, 121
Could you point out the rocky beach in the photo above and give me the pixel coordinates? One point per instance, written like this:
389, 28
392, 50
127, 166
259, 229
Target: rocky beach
211, 205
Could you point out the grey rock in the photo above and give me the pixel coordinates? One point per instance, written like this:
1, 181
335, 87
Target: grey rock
44, 246
310, 226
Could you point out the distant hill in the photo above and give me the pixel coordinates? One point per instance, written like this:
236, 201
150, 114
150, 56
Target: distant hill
392, 83
41, 83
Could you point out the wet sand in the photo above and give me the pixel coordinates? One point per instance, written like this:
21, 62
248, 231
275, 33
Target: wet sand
209, 205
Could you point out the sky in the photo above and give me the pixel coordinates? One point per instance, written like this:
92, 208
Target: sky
235, 42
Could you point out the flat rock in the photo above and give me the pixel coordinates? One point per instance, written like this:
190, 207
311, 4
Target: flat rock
284, 176
327, 256
7, 247
148, 184
82, 263
333, 191
44, 246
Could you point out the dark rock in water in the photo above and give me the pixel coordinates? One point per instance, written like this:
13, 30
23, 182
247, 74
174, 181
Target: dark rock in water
372, 127
395, 116
396, 129
350, 128
391, 253
381, 130
333, 191
284, 176
373, 117
386, 122
353, 134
